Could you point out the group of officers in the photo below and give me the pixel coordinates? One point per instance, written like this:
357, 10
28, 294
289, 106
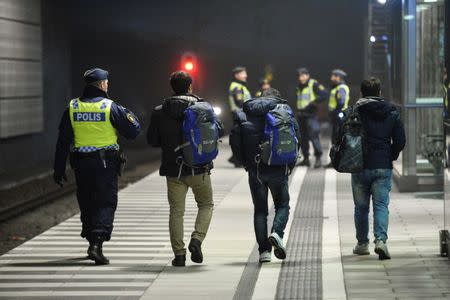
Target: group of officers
309, 93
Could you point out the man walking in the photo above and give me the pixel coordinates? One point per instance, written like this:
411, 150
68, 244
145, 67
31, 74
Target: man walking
247, 142
384, 140
166, 131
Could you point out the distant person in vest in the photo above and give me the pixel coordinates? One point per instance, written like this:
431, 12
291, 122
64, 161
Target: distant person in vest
264, 84
238, 93
89, 128
337, 102
269, 162
166, 132
309, 94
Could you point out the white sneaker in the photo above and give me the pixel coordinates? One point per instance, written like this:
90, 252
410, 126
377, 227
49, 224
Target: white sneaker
277, 243
361, 249
382, 250
265, 257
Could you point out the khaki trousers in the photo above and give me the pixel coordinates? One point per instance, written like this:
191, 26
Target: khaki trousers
176, 193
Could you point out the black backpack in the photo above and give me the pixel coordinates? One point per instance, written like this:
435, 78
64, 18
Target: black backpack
347, 155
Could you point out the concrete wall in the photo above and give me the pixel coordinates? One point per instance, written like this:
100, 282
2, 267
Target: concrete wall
28, 152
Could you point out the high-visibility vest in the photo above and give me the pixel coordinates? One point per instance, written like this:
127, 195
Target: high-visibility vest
91, 123
306, 95
246, 95
332, 103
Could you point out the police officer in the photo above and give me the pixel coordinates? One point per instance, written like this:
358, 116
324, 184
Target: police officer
264, 85
309, 94
238, 93
89, 129
338, 100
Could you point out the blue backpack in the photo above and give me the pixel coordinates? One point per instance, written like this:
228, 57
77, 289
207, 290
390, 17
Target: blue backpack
201, 135
280, 146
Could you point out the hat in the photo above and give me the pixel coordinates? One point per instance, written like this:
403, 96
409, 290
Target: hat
238, 69
96, 74
339, 72
301, 71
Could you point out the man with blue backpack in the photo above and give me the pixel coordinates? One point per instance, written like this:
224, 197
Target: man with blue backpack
266, 141
187, 130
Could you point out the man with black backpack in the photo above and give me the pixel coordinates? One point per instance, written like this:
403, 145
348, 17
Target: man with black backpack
187, 130
371, 137
266, 141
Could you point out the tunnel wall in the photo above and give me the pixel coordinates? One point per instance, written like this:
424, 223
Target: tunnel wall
32, 151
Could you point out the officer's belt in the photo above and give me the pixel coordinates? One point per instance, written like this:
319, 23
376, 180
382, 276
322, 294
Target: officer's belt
108, 153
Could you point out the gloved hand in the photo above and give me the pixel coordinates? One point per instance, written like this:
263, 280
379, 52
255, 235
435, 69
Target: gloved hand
60, 179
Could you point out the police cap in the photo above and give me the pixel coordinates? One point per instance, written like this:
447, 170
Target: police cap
339, 72
95, 74
301, 71
238, 69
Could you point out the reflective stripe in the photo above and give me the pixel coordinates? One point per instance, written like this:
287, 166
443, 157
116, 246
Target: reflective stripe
91, 125
306, 95
332, 103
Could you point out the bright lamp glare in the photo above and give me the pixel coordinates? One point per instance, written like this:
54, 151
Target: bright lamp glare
189, 66
217, 110
382, 2
373, 39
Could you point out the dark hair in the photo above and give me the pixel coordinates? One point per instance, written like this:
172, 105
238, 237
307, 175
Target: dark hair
271, 92
371, 87
180, 82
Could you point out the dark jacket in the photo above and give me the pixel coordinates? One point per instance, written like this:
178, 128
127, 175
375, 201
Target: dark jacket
248, 133
385, 134
165, 131
126, 123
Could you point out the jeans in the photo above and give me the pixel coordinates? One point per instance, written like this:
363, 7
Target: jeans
375, 183
279, 188
176, 192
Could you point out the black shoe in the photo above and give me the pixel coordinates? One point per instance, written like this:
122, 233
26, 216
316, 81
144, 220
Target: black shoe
305, 162
318, 163
195, 247
329, 165
179, 260
95, 253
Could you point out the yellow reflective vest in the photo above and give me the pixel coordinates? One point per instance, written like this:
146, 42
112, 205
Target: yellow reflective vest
91, 124
236, 100
306, 95
333, 101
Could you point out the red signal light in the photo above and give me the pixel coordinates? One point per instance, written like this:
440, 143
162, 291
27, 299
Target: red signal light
189, 66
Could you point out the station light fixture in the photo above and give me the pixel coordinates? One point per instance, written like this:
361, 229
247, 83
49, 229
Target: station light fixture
382, 2
372, 39
189, 62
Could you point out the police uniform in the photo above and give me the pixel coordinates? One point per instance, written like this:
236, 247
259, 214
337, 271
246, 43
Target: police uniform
308, 95
238, 93
338, 101
89, 129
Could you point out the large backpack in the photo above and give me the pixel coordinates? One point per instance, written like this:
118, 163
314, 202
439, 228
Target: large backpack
347, 155
280, 146
200, 134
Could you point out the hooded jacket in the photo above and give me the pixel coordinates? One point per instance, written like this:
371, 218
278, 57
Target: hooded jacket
384, 131
165, 131
248, 133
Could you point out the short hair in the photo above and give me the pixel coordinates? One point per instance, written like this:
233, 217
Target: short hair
238, 69
97, 83
180, 82
371, 87
271, 92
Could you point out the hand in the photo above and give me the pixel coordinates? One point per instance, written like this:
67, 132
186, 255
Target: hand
60, 179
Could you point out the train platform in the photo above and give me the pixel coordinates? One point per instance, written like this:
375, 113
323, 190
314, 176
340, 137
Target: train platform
319, 238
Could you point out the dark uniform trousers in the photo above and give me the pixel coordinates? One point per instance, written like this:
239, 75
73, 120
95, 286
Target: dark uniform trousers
336, 123
97, 188
309, 131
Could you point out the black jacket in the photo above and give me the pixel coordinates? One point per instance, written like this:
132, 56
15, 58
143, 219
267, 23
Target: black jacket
385, 134
248, 133
165, 131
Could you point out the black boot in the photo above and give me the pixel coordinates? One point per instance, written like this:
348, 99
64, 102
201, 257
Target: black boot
318, 162
95, 253
305, 162
179, 260
195, 247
